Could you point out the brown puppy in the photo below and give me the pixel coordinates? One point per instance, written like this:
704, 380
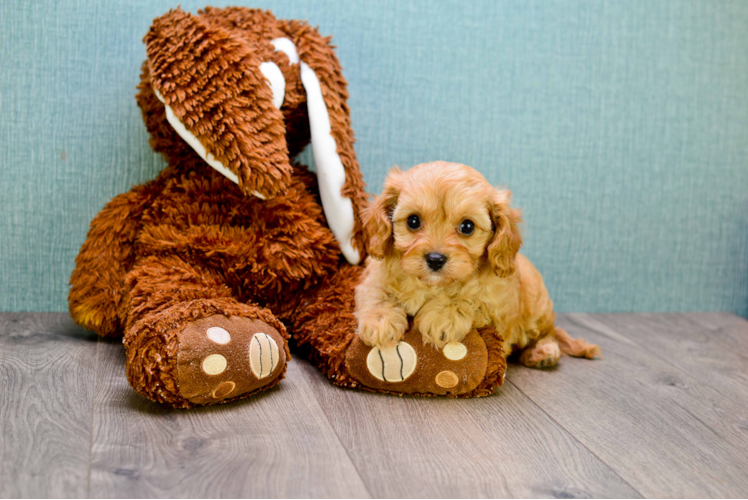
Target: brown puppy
445, 249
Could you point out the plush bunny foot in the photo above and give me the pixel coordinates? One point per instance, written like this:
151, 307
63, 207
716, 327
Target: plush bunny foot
221, 358
464, 368
205, 352
325, 329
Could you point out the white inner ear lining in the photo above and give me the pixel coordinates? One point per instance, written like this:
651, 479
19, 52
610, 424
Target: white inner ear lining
276, 81
330, 171
195, 144
287, 47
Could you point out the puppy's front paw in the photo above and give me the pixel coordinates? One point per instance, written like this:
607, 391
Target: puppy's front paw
443, 326
381, 327
439, 334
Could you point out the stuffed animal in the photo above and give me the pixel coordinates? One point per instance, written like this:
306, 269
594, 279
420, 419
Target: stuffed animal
207, 269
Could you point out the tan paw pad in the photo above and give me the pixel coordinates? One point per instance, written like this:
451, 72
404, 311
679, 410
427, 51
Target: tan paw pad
392, 364
215, 364
223, 389
263, 355
218, 335
428, 369
447, 379
455, 351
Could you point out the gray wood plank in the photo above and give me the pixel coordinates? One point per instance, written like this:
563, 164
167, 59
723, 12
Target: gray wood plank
646, 410
713, 347
47, 367
664, 414
499, 446
276, 444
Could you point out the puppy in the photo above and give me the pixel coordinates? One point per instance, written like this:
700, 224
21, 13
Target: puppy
444, 249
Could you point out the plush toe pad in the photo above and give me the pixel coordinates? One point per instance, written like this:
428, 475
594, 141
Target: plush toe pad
393, 364
413, 367
221, 358
263, 355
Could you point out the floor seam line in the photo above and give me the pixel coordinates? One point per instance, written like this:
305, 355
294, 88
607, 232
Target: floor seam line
337, 437
93, 407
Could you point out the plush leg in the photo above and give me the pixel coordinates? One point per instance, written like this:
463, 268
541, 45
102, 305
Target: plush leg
97, 292
325, 329
189, 342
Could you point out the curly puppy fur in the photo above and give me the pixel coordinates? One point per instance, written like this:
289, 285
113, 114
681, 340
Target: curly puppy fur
449, 213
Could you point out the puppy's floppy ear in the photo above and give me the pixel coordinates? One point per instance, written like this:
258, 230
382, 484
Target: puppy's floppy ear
377, 217
507, 239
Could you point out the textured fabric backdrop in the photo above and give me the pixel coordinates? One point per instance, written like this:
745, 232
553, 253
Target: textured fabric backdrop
621, 127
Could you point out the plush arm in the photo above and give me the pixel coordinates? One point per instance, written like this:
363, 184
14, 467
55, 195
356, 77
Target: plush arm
97, 291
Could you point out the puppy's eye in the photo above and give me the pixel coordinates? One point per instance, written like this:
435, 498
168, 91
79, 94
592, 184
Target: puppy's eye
414, 222
467, 227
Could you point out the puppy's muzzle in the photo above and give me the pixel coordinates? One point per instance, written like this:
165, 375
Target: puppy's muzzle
436, 261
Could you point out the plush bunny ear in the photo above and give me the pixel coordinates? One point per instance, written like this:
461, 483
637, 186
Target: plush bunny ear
341, 185
218, 99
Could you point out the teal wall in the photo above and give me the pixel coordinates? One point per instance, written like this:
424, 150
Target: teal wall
621, 127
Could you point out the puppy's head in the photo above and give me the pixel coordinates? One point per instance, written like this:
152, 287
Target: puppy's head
442, 222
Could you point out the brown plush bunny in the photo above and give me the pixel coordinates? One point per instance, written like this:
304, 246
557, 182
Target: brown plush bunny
205, 269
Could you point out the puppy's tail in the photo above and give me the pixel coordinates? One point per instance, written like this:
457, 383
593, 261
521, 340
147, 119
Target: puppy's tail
577, 348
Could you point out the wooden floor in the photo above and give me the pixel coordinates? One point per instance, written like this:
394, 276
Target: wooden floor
664, 415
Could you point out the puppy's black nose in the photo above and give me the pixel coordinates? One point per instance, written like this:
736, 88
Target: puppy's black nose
436, 261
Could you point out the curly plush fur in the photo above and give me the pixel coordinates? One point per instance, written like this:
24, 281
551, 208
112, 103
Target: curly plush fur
445, 245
